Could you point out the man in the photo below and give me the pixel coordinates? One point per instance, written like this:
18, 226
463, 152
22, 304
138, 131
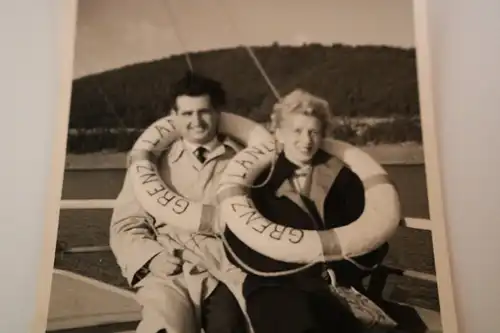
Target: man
177, 296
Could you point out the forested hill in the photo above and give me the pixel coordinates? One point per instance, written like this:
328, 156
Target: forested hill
363, 81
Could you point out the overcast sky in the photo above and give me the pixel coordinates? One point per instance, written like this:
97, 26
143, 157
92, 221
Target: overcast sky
114, 33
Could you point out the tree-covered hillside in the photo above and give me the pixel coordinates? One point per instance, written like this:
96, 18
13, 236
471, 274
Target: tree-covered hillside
359, 82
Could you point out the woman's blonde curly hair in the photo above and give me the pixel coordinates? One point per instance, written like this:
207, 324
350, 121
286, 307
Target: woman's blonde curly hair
302, 102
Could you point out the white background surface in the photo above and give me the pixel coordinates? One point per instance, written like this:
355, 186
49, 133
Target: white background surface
465, 56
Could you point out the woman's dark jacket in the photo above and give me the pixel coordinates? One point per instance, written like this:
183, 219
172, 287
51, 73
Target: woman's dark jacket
339, 196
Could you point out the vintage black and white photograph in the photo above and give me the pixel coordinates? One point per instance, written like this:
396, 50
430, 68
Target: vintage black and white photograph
244, 166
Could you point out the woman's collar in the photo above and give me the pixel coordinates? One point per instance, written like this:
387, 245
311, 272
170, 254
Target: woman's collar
284, 163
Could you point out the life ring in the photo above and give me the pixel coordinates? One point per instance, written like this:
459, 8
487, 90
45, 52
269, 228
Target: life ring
151, 191
374, 227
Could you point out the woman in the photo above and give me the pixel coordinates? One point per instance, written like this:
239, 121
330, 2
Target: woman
309, 189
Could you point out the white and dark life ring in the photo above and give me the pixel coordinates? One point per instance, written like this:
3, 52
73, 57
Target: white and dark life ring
151, 191
378, 222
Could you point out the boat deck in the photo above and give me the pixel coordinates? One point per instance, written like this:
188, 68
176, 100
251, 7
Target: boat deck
82, 305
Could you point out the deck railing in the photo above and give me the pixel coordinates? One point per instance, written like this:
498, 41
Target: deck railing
413, 223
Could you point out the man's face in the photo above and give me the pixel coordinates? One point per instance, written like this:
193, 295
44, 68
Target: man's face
301, 137
196, 119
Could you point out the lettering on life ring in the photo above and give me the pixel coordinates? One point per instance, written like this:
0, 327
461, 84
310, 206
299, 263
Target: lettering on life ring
374, 227
151, 191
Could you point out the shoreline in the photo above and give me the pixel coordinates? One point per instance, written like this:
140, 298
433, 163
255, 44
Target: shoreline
385, 154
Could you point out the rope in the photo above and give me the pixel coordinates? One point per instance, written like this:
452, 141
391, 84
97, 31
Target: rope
178, 36
111, 107
252, 55
263, 72
271, 171
261, 273
266, 77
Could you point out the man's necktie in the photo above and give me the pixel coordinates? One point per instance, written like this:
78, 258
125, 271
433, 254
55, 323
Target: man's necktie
200, 154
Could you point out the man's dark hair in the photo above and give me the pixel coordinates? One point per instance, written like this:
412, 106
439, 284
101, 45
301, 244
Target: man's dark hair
193, 84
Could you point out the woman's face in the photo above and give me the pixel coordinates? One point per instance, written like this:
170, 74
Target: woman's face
301, 137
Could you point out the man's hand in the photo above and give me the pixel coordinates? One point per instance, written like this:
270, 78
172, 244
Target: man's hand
165, 264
